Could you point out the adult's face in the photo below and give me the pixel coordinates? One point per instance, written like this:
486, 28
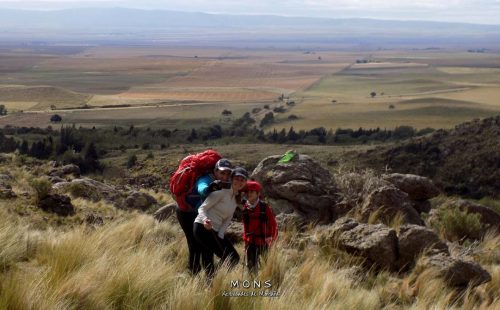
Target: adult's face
223, 175
238, 182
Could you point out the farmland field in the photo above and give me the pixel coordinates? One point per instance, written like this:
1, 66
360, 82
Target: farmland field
188, 87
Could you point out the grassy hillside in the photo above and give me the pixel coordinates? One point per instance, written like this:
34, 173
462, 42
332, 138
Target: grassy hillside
463, 161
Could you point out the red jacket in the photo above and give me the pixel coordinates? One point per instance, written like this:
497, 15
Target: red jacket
259, 226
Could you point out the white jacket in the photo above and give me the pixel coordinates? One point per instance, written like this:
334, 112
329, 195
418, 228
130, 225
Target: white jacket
219, 207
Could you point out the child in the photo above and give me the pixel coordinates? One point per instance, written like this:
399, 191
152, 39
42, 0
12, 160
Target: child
259, 225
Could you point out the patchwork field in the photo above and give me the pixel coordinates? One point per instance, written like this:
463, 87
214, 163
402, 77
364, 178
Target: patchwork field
173, 87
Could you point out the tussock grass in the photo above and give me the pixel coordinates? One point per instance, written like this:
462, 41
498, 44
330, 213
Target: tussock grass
136, 263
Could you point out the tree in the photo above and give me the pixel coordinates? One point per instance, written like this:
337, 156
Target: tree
132, 160
56, 118
226, 113
268, 119
373, 94
3, 110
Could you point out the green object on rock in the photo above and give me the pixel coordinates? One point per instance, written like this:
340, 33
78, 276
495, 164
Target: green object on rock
288, 156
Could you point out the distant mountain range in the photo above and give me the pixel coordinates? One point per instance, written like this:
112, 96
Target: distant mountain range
120, 24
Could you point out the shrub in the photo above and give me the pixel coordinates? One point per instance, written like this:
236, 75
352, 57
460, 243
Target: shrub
41, 186
456, 225
150, 155
132, 160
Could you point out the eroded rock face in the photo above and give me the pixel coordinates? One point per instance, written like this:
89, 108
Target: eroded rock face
301, 183
378, 244
457, 272
58, 204
390, 201
414, 239
417, 187
139, 201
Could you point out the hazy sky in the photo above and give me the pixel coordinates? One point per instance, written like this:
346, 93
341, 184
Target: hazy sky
471, 11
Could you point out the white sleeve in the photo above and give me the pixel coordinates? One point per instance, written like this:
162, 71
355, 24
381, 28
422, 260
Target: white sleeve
212, 199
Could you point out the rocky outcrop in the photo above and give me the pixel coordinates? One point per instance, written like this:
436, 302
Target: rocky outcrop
456, 272
300, 184
417, 187
389, 201
58, 204
139, 201
414, 240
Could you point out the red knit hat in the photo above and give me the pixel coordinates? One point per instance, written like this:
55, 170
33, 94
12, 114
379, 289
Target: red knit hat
253, 186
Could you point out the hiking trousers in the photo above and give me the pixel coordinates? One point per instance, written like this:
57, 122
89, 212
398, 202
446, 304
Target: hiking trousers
223, 248
253, 253
196, 251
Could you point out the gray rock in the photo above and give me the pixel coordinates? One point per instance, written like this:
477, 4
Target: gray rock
456, 272
5, 178
6, 191
234, 233
58, 204
288, 221
417, 187
56, 179
139, 201
65, 170
413, 240
303, 183
90, 189
165, 212
378, 244
390, 201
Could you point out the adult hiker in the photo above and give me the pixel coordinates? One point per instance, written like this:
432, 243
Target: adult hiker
187, 208
259, 225
214, 217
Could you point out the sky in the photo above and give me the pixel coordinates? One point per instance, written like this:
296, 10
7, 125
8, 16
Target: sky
469, 11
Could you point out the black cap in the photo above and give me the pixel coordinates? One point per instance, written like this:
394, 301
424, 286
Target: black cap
239, 171
223, 164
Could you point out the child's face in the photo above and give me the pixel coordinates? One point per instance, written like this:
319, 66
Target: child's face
252, 196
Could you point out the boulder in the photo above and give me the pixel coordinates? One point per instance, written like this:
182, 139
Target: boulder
139, 201
456, 272
390, 201
489, 217
6, 191
58, 204
286, 221
56, 179
65, 170
377, 244
413, 240
422, 206
90, 189
307, 187
165, 212
417, 187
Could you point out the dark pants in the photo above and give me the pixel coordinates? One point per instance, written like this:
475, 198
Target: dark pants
253, 253
223, 248
196, 251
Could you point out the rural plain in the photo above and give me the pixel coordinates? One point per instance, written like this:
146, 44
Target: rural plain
180, 87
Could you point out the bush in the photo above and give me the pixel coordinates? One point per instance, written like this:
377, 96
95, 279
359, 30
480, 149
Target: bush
132, 160
457, 225
41, 186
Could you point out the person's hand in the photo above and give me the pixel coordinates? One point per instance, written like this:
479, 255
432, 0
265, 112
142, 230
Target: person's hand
215, 186
207, 224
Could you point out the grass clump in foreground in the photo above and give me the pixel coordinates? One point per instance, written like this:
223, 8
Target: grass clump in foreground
137, 263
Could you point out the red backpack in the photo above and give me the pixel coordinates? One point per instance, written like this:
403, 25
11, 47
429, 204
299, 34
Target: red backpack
190, 169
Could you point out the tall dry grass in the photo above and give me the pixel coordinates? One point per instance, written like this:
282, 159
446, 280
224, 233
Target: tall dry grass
137, 263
